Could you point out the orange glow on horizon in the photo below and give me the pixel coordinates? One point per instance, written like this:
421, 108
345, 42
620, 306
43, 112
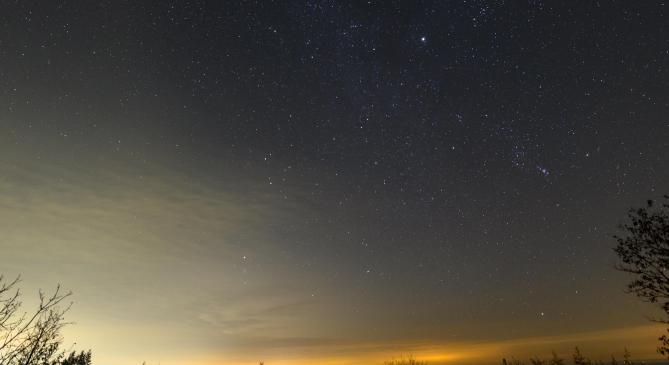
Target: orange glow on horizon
597, 344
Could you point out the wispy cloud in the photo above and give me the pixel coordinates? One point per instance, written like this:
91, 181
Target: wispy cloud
163, 259
147, 249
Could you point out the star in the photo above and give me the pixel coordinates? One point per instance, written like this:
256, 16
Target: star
543, 170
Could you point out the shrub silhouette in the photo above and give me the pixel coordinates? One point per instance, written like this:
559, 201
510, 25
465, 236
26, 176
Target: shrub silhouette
578, 359
555, 359
408, 361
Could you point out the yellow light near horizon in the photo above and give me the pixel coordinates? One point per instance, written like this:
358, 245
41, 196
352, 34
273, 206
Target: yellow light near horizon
596, 344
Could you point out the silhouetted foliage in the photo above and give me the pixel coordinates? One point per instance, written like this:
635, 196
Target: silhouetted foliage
33, 338
513, 361
537, 361
555, 359
408, 361
644, 253
664, 345
82, 358
627, 358
579, 359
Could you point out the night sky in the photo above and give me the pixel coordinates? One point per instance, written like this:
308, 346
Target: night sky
334, 182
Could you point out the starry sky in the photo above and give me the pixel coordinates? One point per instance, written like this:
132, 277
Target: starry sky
332, 182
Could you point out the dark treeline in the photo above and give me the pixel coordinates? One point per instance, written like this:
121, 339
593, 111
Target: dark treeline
577, 359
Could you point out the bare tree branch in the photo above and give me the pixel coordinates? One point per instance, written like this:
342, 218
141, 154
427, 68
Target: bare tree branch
33, 338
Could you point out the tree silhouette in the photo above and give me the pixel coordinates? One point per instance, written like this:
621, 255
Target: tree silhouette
644, 252
33, 338
578, 359
82, 358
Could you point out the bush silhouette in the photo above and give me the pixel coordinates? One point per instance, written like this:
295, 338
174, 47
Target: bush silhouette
408, 361
577, 357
